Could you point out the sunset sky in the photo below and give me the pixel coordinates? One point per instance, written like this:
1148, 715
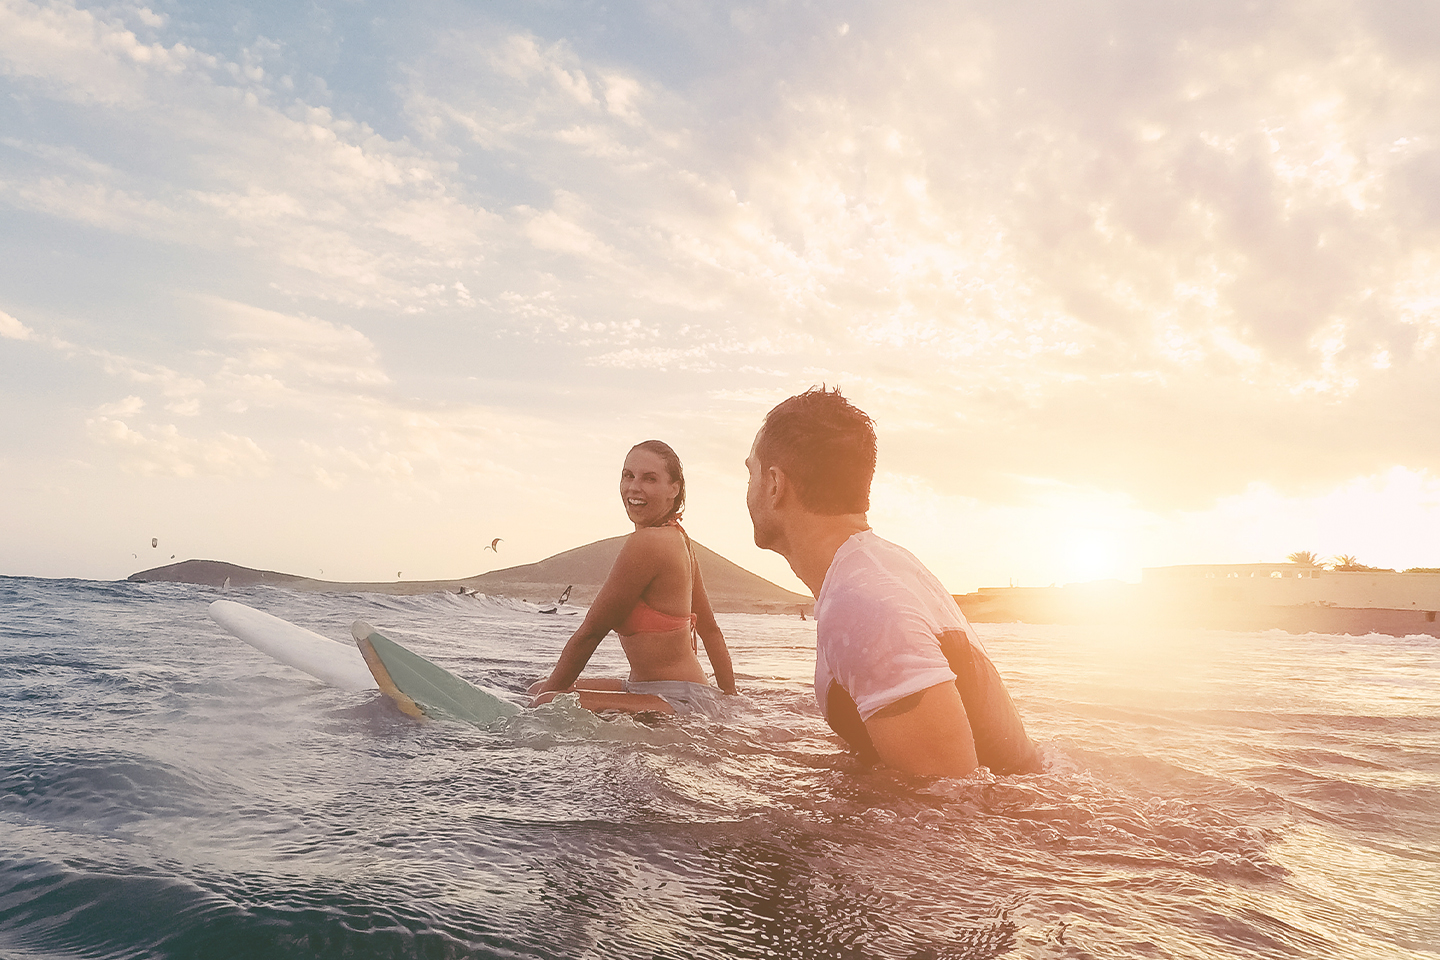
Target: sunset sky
348, 289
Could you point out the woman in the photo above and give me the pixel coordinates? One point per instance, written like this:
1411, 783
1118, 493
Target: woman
655, 600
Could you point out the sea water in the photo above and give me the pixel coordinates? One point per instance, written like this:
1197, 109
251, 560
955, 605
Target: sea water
167, 791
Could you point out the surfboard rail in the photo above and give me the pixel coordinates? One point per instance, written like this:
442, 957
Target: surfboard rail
421, 688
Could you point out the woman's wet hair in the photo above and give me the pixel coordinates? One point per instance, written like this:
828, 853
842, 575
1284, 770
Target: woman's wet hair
826, 446
672, 466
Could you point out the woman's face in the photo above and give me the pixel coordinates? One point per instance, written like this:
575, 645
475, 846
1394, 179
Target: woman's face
646, 488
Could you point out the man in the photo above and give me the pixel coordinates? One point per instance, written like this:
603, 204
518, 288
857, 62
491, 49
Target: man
899, 673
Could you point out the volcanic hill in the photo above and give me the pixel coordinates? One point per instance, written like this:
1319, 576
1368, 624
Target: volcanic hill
731, 588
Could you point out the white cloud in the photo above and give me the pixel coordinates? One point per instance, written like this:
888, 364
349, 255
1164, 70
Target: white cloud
83, 57
98, 204
163, 451
322, 198
622, 97
184, 408
297, 347
12, 329
122, 408
551, 231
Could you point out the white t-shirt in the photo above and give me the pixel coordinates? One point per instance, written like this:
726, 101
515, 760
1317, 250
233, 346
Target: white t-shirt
878, 617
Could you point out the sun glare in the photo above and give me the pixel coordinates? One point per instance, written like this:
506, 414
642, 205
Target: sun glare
1090, 555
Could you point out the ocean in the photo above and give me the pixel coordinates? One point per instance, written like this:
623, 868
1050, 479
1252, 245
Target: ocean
166, 791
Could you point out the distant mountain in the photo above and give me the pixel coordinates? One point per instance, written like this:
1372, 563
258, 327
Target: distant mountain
216, 573
731, 588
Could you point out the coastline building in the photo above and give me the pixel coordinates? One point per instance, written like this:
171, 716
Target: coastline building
1247, 596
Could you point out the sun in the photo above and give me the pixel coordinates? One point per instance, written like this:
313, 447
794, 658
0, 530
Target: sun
1091, 555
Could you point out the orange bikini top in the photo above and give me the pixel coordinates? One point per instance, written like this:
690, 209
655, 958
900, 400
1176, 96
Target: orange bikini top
644, 618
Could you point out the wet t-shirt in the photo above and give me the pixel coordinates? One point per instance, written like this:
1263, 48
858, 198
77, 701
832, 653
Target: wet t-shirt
886, 629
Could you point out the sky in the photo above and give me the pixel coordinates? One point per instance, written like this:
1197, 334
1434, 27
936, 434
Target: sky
348, 289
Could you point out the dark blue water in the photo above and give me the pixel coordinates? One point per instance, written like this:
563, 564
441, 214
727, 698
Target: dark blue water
166, 791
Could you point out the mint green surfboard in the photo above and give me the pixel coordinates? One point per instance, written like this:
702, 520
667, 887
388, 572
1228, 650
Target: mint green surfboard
420, 688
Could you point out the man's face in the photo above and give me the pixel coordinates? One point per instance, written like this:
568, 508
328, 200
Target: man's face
762, 518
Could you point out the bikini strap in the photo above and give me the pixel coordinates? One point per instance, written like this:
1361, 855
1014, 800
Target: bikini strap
694, 567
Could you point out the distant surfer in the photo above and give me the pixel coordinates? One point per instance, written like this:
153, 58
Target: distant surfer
654, 598
899, 673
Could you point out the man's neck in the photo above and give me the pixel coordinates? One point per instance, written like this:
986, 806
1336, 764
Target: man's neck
813, 540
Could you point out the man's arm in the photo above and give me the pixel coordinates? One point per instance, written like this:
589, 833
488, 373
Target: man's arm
926, 733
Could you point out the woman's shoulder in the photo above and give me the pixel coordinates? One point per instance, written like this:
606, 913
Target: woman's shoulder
664, 535
655, 541
651, 550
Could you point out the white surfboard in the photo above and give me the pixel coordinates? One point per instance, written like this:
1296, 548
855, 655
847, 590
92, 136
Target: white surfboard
338, 664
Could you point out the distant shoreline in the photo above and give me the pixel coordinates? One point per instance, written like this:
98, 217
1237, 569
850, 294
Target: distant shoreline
730, 587
1246, 597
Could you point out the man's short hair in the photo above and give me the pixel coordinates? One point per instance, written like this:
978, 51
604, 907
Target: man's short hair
826, 446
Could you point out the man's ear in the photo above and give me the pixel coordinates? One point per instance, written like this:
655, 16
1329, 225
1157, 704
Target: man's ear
777, 486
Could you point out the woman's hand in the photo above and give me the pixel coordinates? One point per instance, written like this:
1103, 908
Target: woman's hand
542, 686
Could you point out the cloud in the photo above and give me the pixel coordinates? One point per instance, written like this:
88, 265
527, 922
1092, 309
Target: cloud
1163, 252
163, 450
551, 231
127, 407
84, 57
12, 329
275, 394
296, 347
337, 210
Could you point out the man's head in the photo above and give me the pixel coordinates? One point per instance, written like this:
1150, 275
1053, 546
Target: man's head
825, 448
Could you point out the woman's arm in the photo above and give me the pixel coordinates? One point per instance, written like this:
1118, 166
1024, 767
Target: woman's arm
578, 651
637, 565
711, 636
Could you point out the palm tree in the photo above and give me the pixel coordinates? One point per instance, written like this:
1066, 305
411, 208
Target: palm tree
1348, 562
1304, 558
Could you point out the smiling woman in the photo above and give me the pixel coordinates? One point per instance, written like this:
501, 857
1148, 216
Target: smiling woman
652, 481
654, 574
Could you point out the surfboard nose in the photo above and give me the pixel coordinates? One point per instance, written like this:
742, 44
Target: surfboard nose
324, 659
